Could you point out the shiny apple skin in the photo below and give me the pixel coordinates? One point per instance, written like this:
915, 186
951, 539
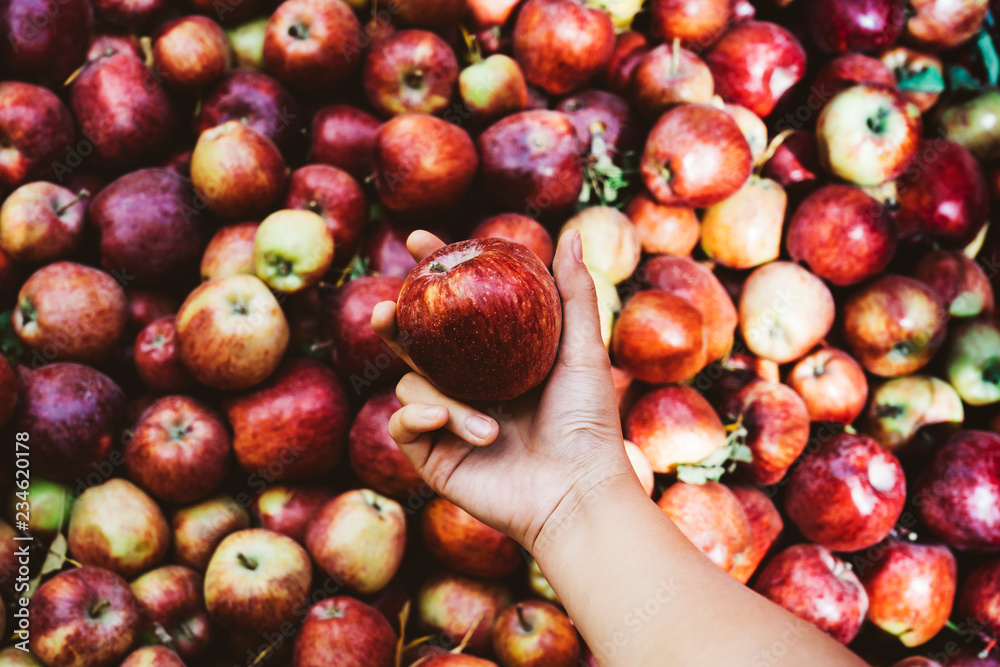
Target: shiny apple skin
518, 228
665, 78
255, 99
465, 544
863, 487
412, 71
832, 384
674, 425
43, 42
38, 126
344, 137
961, 282
660, 338
697, 23
838, 26
490, 350
191, 52
322, 57
346, 632
336, 197
850, 70
711, 517
766, 526
957, 495
173, 597
672, 230
980, 599
375, 457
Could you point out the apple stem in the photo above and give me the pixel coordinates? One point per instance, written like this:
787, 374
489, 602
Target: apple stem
475, 54
98, 608
247, 561
771, 149
520, 617
437, 267
675, 58
83, 194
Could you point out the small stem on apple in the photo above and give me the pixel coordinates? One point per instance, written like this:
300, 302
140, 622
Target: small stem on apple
525, 626
83, 194
98, 608
414, 78
675, 58
472, 45
884, 410
248, 562
437, 267
771, 149
321, 345
27, 311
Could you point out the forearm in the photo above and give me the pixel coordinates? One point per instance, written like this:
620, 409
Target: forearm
640, 592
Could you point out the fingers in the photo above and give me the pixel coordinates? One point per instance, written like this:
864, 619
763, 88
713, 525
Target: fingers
384, 324
422, 243
467, 423
408, 424
581, 343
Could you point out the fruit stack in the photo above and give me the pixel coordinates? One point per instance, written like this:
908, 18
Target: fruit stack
783, 205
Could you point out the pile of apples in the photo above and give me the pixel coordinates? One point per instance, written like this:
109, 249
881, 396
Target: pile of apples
783, 204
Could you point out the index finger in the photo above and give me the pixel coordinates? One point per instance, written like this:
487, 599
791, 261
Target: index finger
422, 243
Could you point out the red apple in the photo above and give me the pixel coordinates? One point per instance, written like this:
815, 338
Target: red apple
561, 44
358, 538
960, 281
8, 391
126, 542
42, 42
696, 155
795, 163
843, 234
172, 598
713, 519
911, 589
517, 228
256, 100
311, 44
347, 632
465, 544
153, 656
84, 616
37, 129
939, 25
157, 359
42, 222
385, 248
179, 450
818, 587
289, 509
231, 332
230, 251
630, 48
832, 384
128, 13
146, 306
849, 70
894, 325
863, 491
534, 633
903, 405
198, 529
423, 164
191, 52
980, 598
610, 242
957, 495
670, 75
337, 198
673, 230
344, 137
765, 528
838, 26
452, 605
375, 457
697, 23
744, 230
412, 71
674, 426
257, 581
909, 67
660, 337
455, 660
450, 346
293, 426
755, 64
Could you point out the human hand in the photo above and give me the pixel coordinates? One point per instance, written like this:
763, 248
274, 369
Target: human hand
522, 465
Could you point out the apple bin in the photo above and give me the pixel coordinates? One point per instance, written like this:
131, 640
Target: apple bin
784, 207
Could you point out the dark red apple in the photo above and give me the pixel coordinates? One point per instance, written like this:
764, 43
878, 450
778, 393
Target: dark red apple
561, 44
157, 359
911, 589
630, 48
832, 384
696, 155
980, 598
960, 281
476, 349
385, 248
423, 164
531, 162
849, 70
172, 598
863, 490
674, 426
668, 76
818, 587
294, 425
957, 495
755, 64
191, 52
413, 71
289, 509
256, 100
465, 544
765, 528
517, 228
698, 23
713, 519
37, 131
44, 42
310, 44
128, 13
344, 137
535, 633
429, 13
599, 114
843, 234
375, 457
838, 26
660, 337
9, 386
145, 307
337, 198
347, 632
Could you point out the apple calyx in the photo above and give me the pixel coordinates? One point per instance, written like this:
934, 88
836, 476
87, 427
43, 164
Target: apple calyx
298, 31
178, 431
437, 267
80, 196
249, 562
886, 410
414, 79
876, 123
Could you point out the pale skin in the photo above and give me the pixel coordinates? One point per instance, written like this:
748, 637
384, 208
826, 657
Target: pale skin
549, 469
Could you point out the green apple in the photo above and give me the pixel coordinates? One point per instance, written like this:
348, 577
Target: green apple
973, 125
247, 40
292, 250
50, 505
901, 406
973, 362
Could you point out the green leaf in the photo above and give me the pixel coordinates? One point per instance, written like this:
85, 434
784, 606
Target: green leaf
358, 267
988, 51
927, 80
960, 79
10, 345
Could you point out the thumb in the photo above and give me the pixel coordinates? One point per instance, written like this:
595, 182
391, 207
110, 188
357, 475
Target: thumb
581, 344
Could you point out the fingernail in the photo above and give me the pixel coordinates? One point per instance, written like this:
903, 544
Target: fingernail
578, 247
432, 413
479, 427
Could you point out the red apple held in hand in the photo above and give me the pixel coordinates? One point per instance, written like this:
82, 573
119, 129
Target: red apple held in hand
71, 312
832, 384
358, 538
292, 250
713, 519
938, 25
493, 88
960, 281
697, 23
442, 319
237, 171
179, 451
289, 509
561, 44
765, 528
674, 426
818, 587
744, 230
375, 457
973, 362
517, 228
198, 529
894, 325
863, 488
172, 598
312, 45
755, 64
85, 616
423, 164
452, 605
258, 101
231, 331
465, 544
532, 162
660, 338
911, 589
344, 631
868, 134
337, 198
412, 71
838, 26
293, 426
903, 405
843, 234
695, 155
980, 598
42, 222
157, 359
230, 252
534, 633
668, 76
957, 495
256, 581
671, 230
344, 137
784, 311
126, 542
610, 242
191, 52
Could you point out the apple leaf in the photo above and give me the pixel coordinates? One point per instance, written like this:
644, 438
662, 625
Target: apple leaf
960, 79
723, 460
988, 52
603, 178
927, 80
10, 345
